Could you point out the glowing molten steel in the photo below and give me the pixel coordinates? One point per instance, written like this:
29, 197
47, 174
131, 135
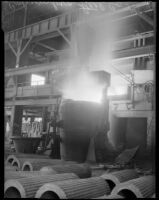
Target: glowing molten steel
83, 88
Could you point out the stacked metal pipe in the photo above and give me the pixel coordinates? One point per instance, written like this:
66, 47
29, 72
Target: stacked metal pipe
82, 170
11, 157
23, 174
20, 161
110, 197
121, 176
143, 187
10, 168
27, 187
37, 164
74, 189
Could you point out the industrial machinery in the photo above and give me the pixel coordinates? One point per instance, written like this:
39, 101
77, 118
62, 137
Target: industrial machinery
82, 121
79, 124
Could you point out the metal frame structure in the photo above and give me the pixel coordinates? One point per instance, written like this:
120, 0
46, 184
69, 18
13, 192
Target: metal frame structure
61, 26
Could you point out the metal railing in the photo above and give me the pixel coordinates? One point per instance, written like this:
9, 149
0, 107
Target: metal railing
33, 88
27, 89
31, 84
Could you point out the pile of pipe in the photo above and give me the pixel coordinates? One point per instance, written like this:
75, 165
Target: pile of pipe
58, 179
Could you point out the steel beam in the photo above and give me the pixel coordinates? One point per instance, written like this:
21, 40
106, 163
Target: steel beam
38, 57
134, 52
133, 113
66, 39
19, 49
33, 102
47, 36
145, 17
32, 69
118, 55
23, 30
128, 16
46, 46
19, 45
11, 47
56, 33
57, 52
122, 10
26, 45
129, 8
135, 37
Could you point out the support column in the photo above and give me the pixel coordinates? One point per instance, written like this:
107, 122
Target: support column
51, 82
47, 77
151, 139
19, 44
74, 45
17, 121
154, 68
18, 52
153, 134
12, 119
45, 118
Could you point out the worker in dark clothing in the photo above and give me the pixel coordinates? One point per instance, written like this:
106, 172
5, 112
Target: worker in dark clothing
103, 147
55, 153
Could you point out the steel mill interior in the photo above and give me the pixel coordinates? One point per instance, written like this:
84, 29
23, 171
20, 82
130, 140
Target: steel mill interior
79, 99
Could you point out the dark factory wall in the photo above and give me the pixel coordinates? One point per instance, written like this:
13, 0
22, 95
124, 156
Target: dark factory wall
9, 59
117, 132
24, 80
136, 134
127, 133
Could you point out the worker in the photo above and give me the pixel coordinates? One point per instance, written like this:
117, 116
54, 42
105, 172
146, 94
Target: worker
55, 153
7, 128
103, 148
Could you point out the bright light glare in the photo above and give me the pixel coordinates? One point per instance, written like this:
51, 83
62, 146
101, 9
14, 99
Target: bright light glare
83, 88
37, 80
37, 119
117, 90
